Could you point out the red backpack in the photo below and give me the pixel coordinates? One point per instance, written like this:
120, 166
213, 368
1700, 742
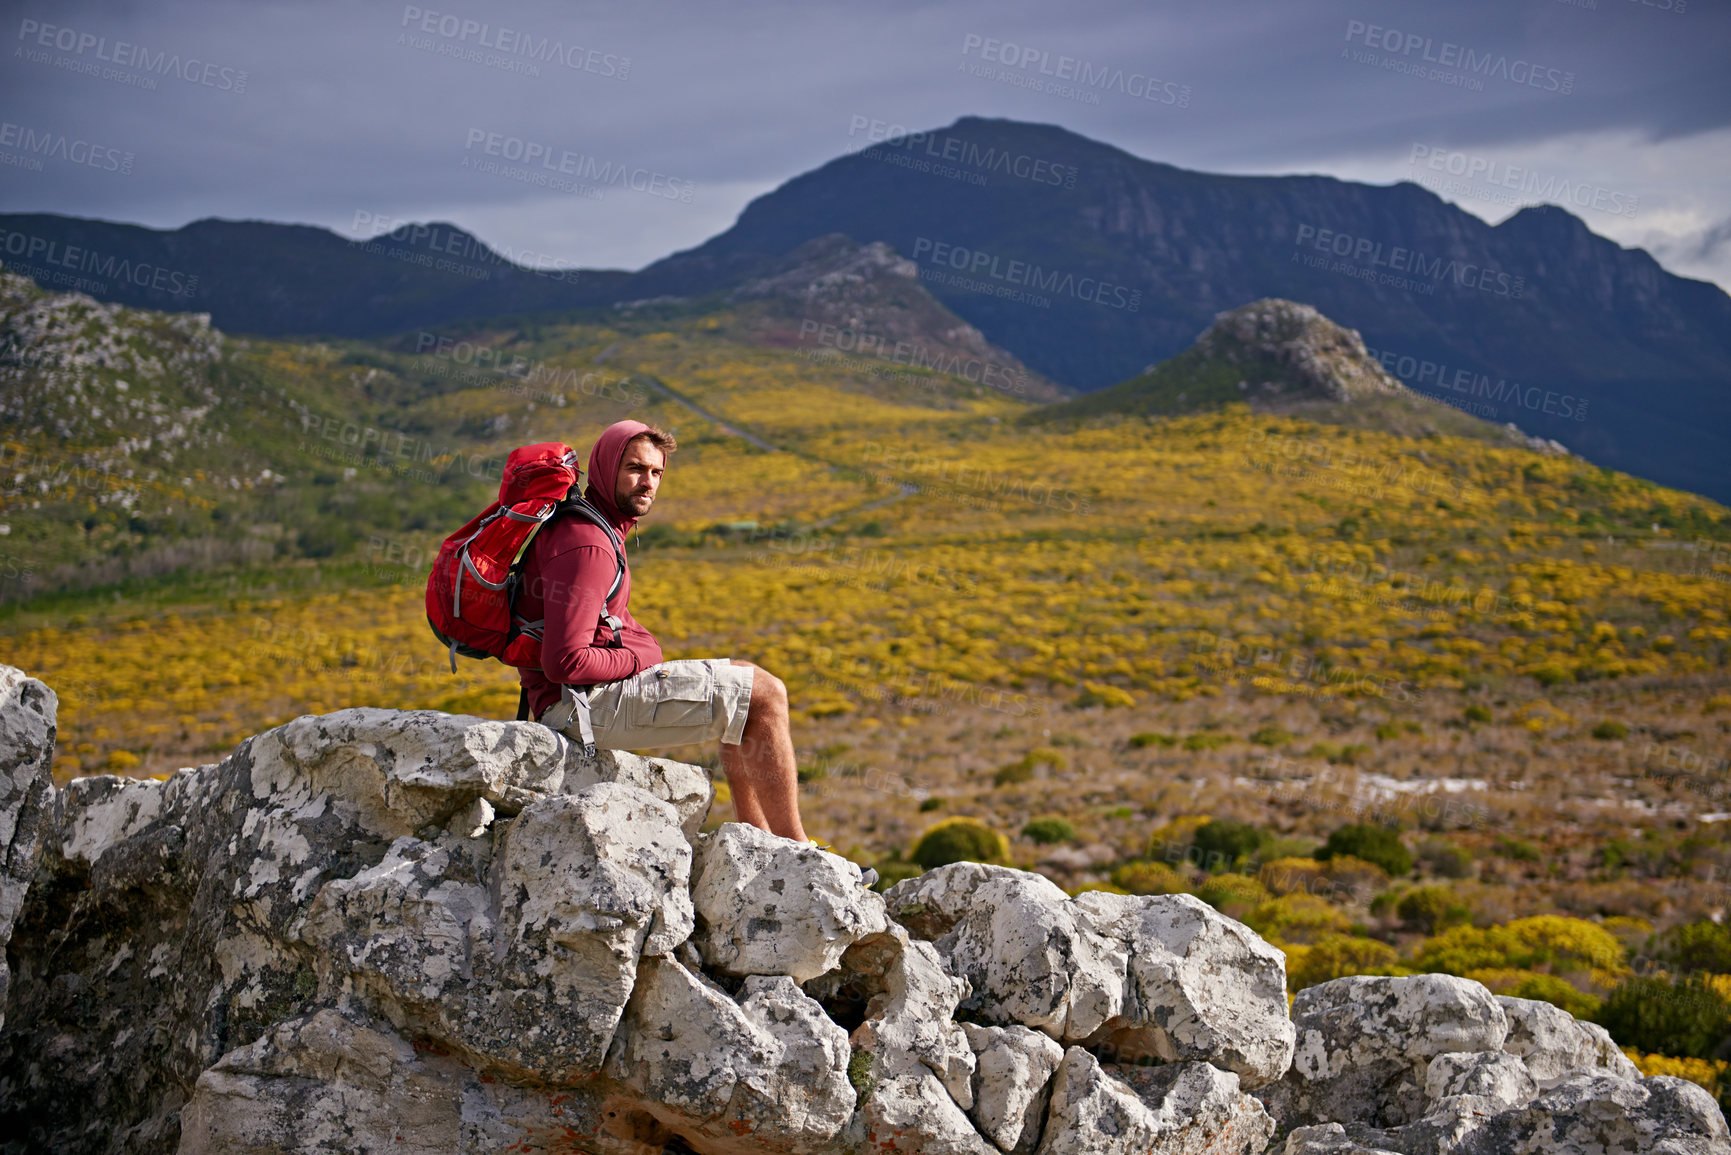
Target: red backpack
472, 591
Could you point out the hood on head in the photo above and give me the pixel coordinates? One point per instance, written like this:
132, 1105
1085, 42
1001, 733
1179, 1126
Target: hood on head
604, 458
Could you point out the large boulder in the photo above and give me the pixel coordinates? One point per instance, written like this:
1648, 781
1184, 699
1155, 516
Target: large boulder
28, 711
1015, 937
529, 965
768, 905
1327, 1139
1138, 977
1013, 1069
1555, 1044
1365, 1045
767, 1073
912, 1061
1433, 1065
1199, 987
685, 788
367, 857
1493, 1078
1187, 1108
335, 1082
1585, 1114
1596, 1114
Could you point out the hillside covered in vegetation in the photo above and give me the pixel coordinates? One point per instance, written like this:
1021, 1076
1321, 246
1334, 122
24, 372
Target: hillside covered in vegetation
1402, 697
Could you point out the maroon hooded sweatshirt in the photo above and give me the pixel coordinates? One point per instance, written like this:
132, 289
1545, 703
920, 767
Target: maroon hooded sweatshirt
565, 578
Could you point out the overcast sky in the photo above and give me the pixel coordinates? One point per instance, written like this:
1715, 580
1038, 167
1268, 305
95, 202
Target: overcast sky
356, 114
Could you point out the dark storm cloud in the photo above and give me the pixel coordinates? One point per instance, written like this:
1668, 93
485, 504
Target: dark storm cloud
329, 112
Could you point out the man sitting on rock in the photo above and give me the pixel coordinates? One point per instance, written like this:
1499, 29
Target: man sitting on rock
635, 700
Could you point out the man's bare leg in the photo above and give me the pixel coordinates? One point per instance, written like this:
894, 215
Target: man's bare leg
761, 771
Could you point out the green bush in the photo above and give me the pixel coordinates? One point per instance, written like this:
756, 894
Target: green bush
1148, 878
1235, 895
1337, 956
1685, 1017
932, 803
1206, 741
1559, 993
1049, 830
1445, 859
1149, 738
1022, 769
1477, 714
1339, 755
1227, 841
1696, 946
960, 840
1432, 909
1372, 843
1518, 850
1271, 736
1610, 731
859, 1073
1298, 918
326, 538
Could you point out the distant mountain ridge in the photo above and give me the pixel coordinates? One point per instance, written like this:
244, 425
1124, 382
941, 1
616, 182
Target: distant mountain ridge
1537, 302
292, 280
1117, 265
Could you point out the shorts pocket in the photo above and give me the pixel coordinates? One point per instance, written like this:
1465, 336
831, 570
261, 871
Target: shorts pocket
677, 697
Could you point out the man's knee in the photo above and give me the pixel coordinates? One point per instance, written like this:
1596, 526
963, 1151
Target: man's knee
767, 691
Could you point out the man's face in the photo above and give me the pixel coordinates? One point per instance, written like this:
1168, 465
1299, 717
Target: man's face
639, 477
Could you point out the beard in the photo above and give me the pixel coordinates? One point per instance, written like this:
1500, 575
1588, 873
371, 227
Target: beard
636, 504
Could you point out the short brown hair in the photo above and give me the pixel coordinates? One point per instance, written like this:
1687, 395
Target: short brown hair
659, 438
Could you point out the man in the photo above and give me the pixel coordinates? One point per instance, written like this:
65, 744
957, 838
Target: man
639, 701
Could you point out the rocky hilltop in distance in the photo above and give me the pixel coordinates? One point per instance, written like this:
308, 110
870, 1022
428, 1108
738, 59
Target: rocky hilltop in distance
379, 930
866, 303
1287, 358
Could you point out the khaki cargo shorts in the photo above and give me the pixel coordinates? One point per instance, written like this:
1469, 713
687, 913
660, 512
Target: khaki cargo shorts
671, 704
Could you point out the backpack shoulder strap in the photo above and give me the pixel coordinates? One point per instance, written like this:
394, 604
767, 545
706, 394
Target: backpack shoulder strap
576, 506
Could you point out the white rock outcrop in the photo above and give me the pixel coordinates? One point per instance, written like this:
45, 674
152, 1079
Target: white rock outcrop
766, 1073
28, 711
1435, 1065
1013, 1069
1140, 977
1365, 1045
411, 931
1188, 1108
768, 906
1555, 1044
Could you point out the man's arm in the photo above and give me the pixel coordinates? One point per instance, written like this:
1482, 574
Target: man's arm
577, 582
